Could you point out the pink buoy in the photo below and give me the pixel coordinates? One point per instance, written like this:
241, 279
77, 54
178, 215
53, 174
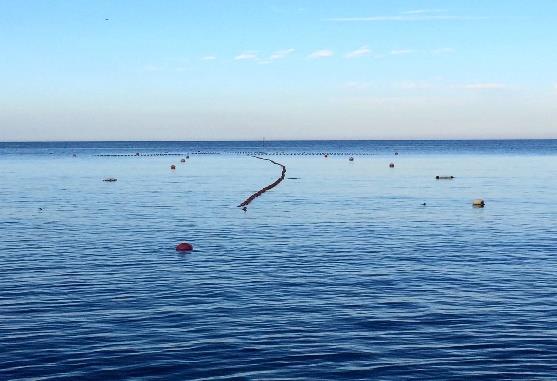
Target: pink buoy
184, 246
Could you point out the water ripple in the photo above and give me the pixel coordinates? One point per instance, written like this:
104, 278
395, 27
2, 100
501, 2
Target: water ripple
342, 274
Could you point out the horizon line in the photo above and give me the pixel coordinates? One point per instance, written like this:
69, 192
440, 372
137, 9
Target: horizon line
269, 140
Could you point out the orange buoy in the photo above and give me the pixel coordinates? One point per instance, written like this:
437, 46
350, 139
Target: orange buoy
184, 246
172, 166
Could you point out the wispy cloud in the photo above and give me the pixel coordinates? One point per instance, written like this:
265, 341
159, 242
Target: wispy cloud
423, 11
281, 54
357, 85
324, 53
413, 85
209, 58
274, 56
360, 52
440, 51
411, 15
150, 68
397, 52
486, 86
246, 56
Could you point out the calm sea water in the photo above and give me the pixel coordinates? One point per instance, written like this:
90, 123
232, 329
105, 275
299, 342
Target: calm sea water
341, 273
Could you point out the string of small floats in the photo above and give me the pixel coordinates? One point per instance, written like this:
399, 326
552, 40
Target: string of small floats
250, 153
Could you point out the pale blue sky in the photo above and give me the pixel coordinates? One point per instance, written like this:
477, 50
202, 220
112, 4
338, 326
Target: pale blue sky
277, 69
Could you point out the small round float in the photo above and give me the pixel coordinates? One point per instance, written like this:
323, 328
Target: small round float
184, 246
478, 203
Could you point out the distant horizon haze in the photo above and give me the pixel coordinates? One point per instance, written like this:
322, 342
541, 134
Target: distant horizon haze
274, 140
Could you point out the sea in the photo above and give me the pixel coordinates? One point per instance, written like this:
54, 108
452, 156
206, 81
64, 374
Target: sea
346, 270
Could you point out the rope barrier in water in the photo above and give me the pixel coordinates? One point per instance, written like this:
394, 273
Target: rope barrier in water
248, 200
251, 153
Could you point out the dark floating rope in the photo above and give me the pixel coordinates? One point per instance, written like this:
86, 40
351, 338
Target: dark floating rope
268, 187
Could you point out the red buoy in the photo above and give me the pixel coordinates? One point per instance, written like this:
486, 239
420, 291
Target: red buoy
184, 246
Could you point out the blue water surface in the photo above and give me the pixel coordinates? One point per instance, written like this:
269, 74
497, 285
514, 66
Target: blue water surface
340, 272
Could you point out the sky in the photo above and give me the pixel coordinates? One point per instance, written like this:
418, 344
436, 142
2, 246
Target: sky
248, 70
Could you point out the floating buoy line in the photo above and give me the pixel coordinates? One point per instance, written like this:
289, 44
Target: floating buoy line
248, 200
249, 153
185, 246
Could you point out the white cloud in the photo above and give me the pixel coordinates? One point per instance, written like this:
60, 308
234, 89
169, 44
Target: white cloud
397, 52
485, 86
423, 11
321, 54
246, 56
280, 54
209, 58
413, 85
413, 15
357, 85
363, 51
152, 68
440, 51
